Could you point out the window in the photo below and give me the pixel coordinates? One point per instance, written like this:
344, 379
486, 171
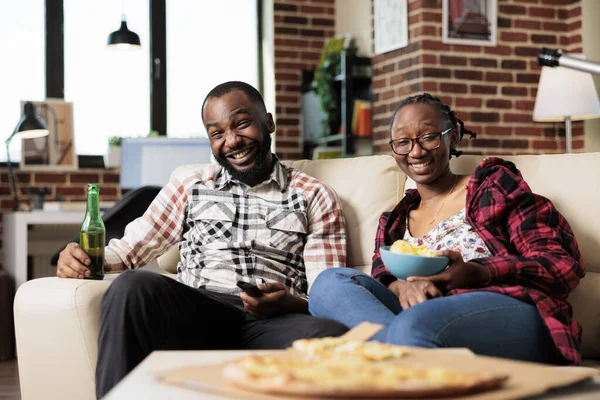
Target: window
110, 89
23, 74
208, 42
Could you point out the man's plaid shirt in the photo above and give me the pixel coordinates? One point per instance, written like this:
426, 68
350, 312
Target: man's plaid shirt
535, 257
286, 229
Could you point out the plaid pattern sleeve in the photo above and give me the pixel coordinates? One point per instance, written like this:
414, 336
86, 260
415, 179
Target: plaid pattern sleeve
326, 236
378, 270
161, 226
391, 228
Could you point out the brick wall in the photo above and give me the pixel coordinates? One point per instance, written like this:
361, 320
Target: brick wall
492, 88
301, 27
70, 186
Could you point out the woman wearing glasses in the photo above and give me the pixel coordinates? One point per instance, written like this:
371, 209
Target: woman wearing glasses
513, 257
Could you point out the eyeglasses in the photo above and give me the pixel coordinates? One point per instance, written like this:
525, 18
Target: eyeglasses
428, 141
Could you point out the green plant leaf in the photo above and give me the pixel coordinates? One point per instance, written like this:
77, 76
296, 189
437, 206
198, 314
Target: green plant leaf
114, 141
328, 93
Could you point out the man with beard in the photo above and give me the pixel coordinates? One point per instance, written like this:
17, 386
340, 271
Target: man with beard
249, 219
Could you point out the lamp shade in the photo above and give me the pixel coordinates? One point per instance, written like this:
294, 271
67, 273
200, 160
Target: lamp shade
564, 92
123, 38
31, 125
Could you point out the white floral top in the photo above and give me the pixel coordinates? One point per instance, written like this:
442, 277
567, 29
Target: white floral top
453, 233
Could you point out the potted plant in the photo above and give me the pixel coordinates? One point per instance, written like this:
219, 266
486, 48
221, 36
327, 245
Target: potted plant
113, 159
327, 90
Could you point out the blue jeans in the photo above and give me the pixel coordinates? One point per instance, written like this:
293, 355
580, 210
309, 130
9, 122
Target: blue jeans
487, 323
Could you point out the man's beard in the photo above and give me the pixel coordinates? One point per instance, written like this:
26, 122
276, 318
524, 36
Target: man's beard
257, 170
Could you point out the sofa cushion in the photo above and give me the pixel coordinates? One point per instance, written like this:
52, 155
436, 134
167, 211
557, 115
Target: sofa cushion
367, 187
585, 300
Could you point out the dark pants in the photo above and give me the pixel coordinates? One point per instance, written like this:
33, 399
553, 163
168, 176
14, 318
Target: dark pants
143, 311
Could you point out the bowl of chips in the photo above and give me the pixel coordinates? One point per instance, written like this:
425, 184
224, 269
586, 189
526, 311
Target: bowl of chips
403, 259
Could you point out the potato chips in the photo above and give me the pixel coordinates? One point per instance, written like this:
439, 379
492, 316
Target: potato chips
403, 247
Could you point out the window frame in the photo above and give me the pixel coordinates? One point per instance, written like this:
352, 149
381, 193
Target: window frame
55, 49
55, 57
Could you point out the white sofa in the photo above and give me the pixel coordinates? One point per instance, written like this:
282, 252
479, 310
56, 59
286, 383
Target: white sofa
57, 320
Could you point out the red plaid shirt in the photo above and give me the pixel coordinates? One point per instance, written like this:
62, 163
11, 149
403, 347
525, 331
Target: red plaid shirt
535, 257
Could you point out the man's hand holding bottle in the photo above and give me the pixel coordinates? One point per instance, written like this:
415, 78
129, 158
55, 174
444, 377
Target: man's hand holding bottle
73, 262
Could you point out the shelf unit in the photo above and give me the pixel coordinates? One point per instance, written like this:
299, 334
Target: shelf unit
354, 83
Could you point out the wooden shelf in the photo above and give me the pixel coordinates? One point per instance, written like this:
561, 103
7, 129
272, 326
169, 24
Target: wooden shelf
341, 77
354, 83
329, 139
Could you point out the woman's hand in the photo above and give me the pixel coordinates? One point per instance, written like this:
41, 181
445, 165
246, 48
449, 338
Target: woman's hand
458, 275
413, 293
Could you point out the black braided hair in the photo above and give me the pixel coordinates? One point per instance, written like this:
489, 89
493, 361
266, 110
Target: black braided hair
446, 114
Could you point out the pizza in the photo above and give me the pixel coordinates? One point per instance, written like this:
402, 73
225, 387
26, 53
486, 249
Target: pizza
354, 378
340, 347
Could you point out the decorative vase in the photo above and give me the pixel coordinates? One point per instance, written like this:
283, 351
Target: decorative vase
113, 158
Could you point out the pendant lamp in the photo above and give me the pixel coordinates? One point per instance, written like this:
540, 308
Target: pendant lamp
123, 39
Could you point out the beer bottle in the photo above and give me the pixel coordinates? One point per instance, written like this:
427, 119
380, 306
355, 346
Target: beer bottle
92, 234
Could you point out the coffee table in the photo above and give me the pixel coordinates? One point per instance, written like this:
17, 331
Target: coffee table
142, 384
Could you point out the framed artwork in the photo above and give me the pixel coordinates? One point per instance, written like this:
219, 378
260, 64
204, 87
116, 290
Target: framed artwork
57, 150
391, 25
470, 22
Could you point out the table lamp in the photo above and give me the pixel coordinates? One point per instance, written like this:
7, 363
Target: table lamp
554, 58
565, 94
29, 126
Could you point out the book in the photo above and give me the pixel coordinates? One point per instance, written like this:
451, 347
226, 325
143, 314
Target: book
361, 118
364, 121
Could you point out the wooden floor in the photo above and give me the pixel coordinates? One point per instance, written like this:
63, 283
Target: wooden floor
9, 381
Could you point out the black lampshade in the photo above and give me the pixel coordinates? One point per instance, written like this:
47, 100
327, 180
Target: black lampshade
123, 38
31, 125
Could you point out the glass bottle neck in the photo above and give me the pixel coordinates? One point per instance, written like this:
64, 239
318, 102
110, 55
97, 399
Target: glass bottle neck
93, 202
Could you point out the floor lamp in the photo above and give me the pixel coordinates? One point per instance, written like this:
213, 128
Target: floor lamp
567, 95
29, 126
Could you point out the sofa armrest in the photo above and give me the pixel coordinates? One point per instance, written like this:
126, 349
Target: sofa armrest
57, 323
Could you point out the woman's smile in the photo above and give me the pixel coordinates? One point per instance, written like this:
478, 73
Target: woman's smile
421, 167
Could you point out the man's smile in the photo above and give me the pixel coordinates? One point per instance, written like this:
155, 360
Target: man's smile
242, 158
241, 153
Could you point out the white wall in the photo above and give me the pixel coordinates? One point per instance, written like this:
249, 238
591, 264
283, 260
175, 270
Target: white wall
354, 17
591, 48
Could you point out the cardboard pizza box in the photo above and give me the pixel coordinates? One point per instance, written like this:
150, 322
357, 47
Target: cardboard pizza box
525, 379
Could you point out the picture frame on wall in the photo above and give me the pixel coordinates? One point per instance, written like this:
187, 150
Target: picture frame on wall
470, 22
57, 150
390, 25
